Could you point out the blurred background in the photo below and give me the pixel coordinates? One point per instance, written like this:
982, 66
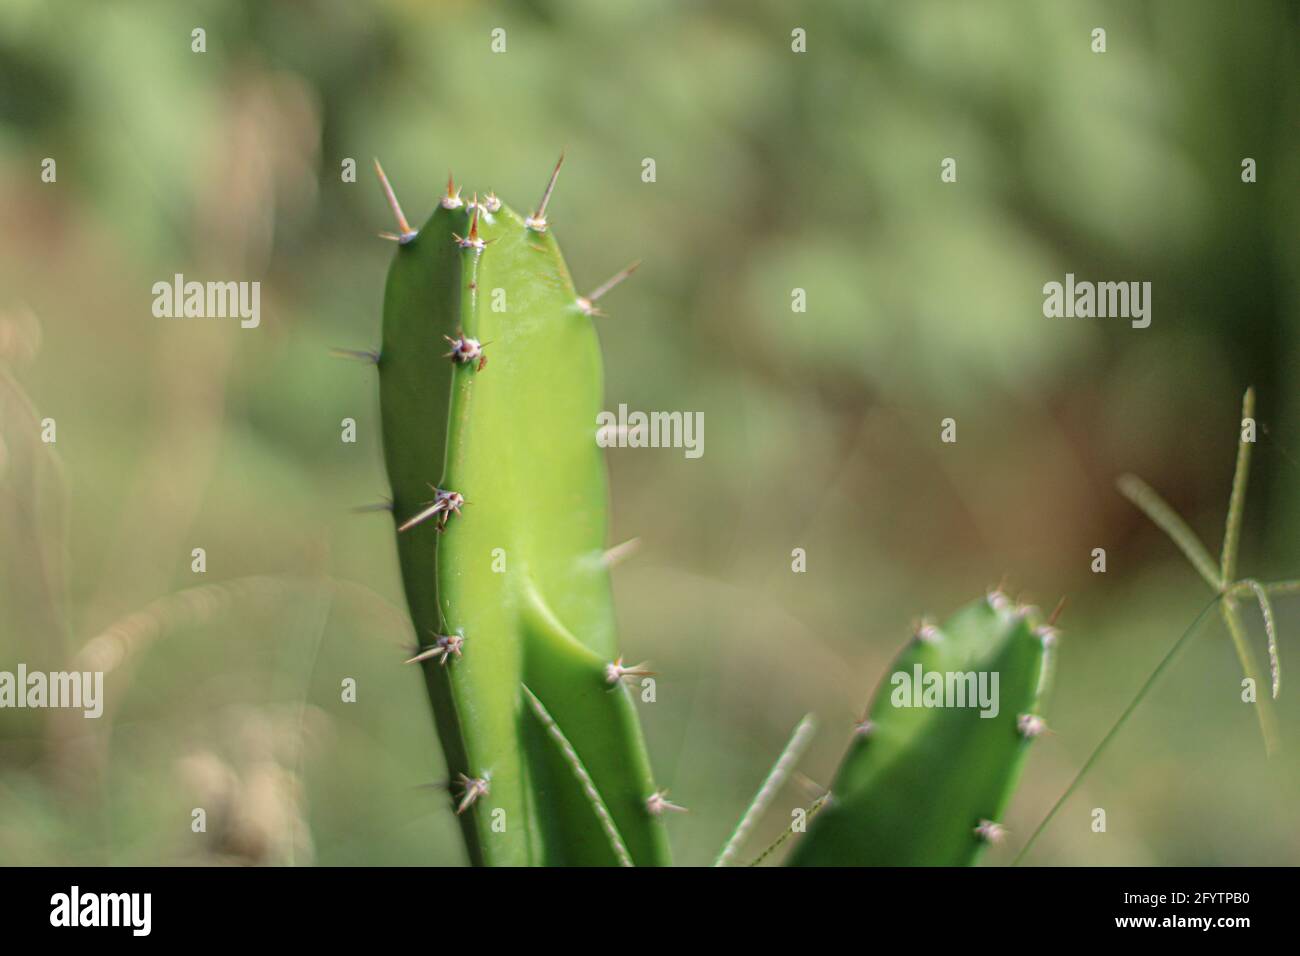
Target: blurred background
774, 171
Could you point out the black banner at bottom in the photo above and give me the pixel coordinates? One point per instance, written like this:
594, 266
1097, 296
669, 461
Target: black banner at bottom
488, 907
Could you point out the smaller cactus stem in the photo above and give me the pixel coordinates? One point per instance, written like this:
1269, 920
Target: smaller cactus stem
404, 232
584, 779
537, 221
776, 778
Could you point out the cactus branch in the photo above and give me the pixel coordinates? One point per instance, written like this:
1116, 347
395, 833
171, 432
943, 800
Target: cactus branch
519, 576
917, 780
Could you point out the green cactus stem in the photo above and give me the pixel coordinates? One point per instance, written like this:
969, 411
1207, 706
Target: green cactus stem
490, 384
925, 785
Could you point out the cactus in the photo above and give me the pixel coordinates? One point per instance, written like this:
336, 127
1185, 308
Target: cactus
490, 385
923, 786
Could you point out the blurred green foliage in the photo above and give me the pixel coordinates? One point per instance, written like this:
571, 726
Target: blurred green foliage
775, 170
